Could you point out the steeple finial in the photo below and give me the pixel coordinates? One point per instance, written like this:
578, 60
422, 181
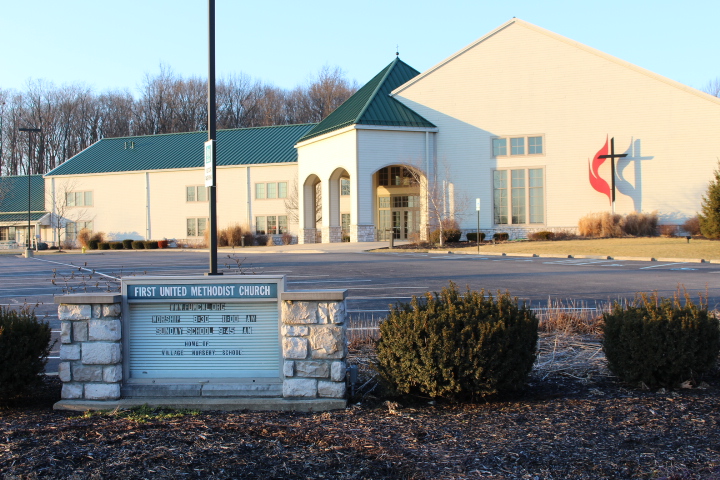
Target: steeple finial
397, 50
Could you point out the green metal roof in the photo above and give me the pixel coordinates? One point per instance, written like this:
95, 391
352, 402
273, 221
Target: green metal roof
241, 146
21, 217
373, 105
14, 194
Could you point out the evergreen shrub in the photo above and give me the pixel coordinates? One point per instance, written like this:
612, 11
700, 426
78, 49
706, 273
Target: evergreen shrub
542, 236
104, 246
151, 244
127, 244
138, 245
116, 245
660, 342
709, 218
449, 235
472, 236
501, 237
457, 346
92, 244
24, 347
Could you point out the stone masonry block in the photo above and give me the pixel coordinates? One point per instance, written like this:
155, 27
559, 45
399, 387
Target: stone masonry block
337, 371
102, 391
295, 348
70, 352
289, 368
100, 353
300, 387
71, 391
295, 330
312, 369
87, 373
64, 372
74, 312
294, 313
331, 389
80, 332
104, 330
332, 312
327, 342
66, 332
112, 373
111, 310
97, 311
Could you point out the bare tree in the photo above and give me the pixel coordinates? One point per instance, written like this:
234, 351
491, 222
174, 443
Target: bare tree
62, 212
292, 203
712, 87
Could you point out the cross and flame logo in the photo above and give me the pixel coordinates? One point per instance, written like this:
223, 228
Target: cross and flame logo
597, 182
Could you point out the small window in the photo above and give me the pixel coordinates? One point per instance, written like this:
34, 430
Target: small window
344, 186
196, 227
282, 189
517, 146
272, 225
535, 145
499, 146
202, 194
190, 194
282, 224
259, 190
272, 190
260, 225
79, 199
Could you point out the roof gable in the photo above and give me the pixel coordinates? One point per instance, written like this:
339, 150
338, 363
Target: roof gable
14, 194
373, 105
241, 146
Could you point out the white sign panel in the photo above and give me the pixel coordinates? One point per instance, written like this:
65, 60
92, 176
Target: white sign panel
202, 327
209, 179
477, 204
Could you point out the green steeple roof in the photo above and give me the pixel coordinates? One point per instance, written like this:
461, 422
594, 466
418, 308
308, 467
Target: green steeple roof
373, 105
241, 146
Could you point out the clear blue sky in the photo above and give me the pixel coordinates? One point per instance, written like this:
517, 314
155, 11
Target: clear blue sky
113, 44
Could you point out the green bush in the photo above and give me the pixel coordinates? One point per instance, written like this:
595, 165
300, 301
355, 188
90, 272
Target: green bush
127, 244
660, 341
104, 246
138, 245
501, 237
472, 237
151, 244
710, 216
457, 346
24, 347
542, 236
116, 245
93, 244
449, 235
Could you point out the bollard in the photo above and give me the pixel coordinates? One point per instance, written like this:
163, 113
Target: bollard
242, 241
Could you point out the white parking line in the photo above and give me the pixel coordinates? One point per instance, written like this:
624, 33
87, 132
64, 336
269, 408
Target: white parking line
92, 270
663, 265
331, 281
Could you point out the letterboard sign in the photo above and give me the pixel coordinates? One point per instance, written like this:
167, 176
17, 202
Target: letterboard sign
202, 327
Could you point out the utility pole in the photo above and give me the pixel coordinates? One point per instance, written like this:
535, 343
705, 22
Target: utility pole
210, 150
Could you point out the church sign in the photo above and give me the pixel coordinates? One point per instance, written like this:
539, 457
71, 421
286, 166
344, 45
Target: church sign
202, 327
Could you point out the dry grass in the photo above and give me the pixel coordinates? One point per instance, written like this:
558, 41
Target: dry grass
645, 247
612, 225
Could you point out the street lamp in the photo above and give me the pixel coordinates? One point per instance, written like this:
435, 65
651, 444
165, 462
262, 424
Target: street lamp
30, 130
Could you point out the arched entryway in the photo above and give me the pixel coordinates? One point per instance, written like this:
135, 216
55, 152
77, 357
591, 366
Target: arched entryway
339, 206
399, 202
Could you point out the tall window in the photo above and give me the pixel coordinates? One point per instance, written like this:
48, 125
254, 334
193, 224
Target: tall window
531, 145
522, 200
196, 193
344, 186
345, 222
7, 234
196, 227
79, 199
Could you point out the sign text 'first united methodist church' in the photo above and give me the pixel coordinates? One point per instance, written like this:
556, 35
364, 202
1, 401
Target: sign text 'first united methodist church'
199, 291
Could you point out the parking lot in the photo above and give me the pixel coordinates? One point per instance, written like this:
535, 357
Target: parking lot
373, 280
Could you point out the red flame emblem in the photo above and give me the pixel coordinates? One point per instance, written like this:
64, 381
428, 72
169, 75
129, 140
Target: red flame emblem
596, 181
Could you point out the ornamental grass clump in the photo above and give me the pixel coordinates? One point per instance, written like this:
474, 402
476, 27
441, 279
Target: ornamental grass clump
24, 347
457, 346
660, 342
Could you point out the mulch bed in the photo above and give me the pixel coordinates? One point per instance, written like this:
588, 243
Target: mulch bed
570, 423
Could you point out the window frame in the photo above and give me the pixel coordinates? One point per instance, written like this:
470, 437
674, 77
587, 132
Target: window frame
195, 222
506, 146
271, 190
71, 198
505, 198
193, 195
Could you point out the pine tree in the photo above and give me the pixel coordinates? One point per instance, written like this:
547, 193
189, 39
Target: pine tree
710, 216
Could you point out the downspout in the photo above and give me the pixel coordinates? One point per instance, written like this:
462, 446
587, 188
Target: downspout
54, 220
147, 205
249, 200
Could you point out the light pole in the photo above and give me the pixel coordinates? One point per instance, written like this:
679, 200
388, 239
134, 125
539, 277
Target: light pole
30, 130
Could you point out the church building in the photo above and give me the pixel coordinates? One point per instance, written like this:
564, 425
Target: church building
531, 128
